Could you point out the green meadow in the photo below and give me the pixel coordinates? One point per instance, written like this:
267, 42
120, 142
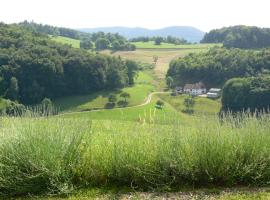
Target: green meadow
138, 95
151, 45
65, 40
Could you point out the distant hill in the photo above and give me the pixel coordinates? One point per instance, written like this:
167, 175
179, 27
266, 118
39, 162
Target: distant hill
189, 33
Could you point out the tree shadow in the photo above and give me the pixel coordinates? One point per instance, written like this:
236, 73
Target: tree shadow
69, 102
122, 103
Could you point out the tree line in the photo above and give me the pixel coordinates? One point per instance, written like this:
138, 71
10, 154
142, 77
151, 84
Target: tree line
33, 67
246, 37
96, 41
242, 94
158, 40
217, 66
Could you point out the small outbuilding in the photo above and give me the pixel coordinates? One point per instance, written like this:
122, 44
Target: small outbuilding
214, 93
178, 90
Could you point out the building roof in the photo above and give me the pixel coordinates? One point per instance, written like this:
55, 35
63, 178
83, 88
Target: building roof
215, 90
197, 86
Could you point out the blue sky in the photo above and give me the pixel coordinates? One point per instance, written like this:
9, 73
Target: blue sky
203, 14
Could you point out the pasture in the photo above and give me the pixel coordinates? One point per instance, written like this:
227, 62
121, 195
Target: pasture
138, 94
203, 106
65, 40
163, 45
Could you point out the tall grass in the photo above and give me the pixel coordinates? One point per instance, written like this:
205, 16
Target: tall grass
56, 155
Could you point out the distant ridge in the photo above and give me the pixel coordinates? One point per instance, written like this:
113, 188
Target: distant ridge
189, 33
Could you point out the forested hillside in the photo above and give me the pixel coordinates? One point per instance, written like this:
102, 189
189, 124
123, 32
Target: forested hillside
218, 65
246, 37
97, 41
33, 67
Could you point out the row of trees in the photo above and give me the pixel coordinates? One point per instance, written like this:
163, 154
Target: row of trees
97, 41
100, 41
158, 40
240, 94
33, 67
217, 66
247, 37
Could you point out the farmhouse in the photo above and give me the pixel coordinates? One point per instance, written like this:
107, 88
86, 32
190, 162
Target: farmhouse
214, 93
195, 89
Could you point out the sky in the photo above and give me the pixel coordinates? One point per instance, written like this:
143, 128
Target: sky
153, 14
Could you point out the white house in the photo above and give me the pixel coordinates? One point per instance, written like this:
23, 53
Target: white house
195, 89
214, 93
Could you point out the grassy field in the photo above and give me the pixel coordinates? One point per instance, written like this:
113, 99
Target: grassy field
164, 56
138, 94
151, 45
203, 106
57, 155
142, 114
65, 40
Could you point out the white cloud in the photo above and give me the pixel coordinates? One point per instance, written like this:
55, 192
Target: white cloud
204, 14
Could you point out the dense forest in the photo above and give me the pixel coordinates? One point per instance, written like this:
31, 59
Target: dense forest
241, 94
218, 65
246, 37
99, 40
33, 67
158, 40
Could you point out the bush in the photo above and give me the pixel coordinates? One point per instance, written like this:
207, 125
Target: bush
56, 155
40, 155
242, 94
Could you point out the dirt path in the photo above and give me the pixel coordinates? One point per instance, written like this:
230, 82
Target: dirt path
148, 100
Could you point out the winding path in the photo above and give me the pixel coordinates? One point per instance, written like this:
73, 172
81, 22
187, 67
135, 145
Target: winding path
148, 100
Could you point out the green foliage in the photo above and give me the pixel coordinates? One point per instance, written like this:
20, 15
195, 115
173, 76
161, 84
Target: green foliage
86, 44
33, 67
169, 39
158, 40
218, 65
159, 104
13, 89
132, 71
169, 81
56, 155
102, 43
112, 98
12, 108
246, 37
189, 103
47, 105
241, 94
40, 155
125, 95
